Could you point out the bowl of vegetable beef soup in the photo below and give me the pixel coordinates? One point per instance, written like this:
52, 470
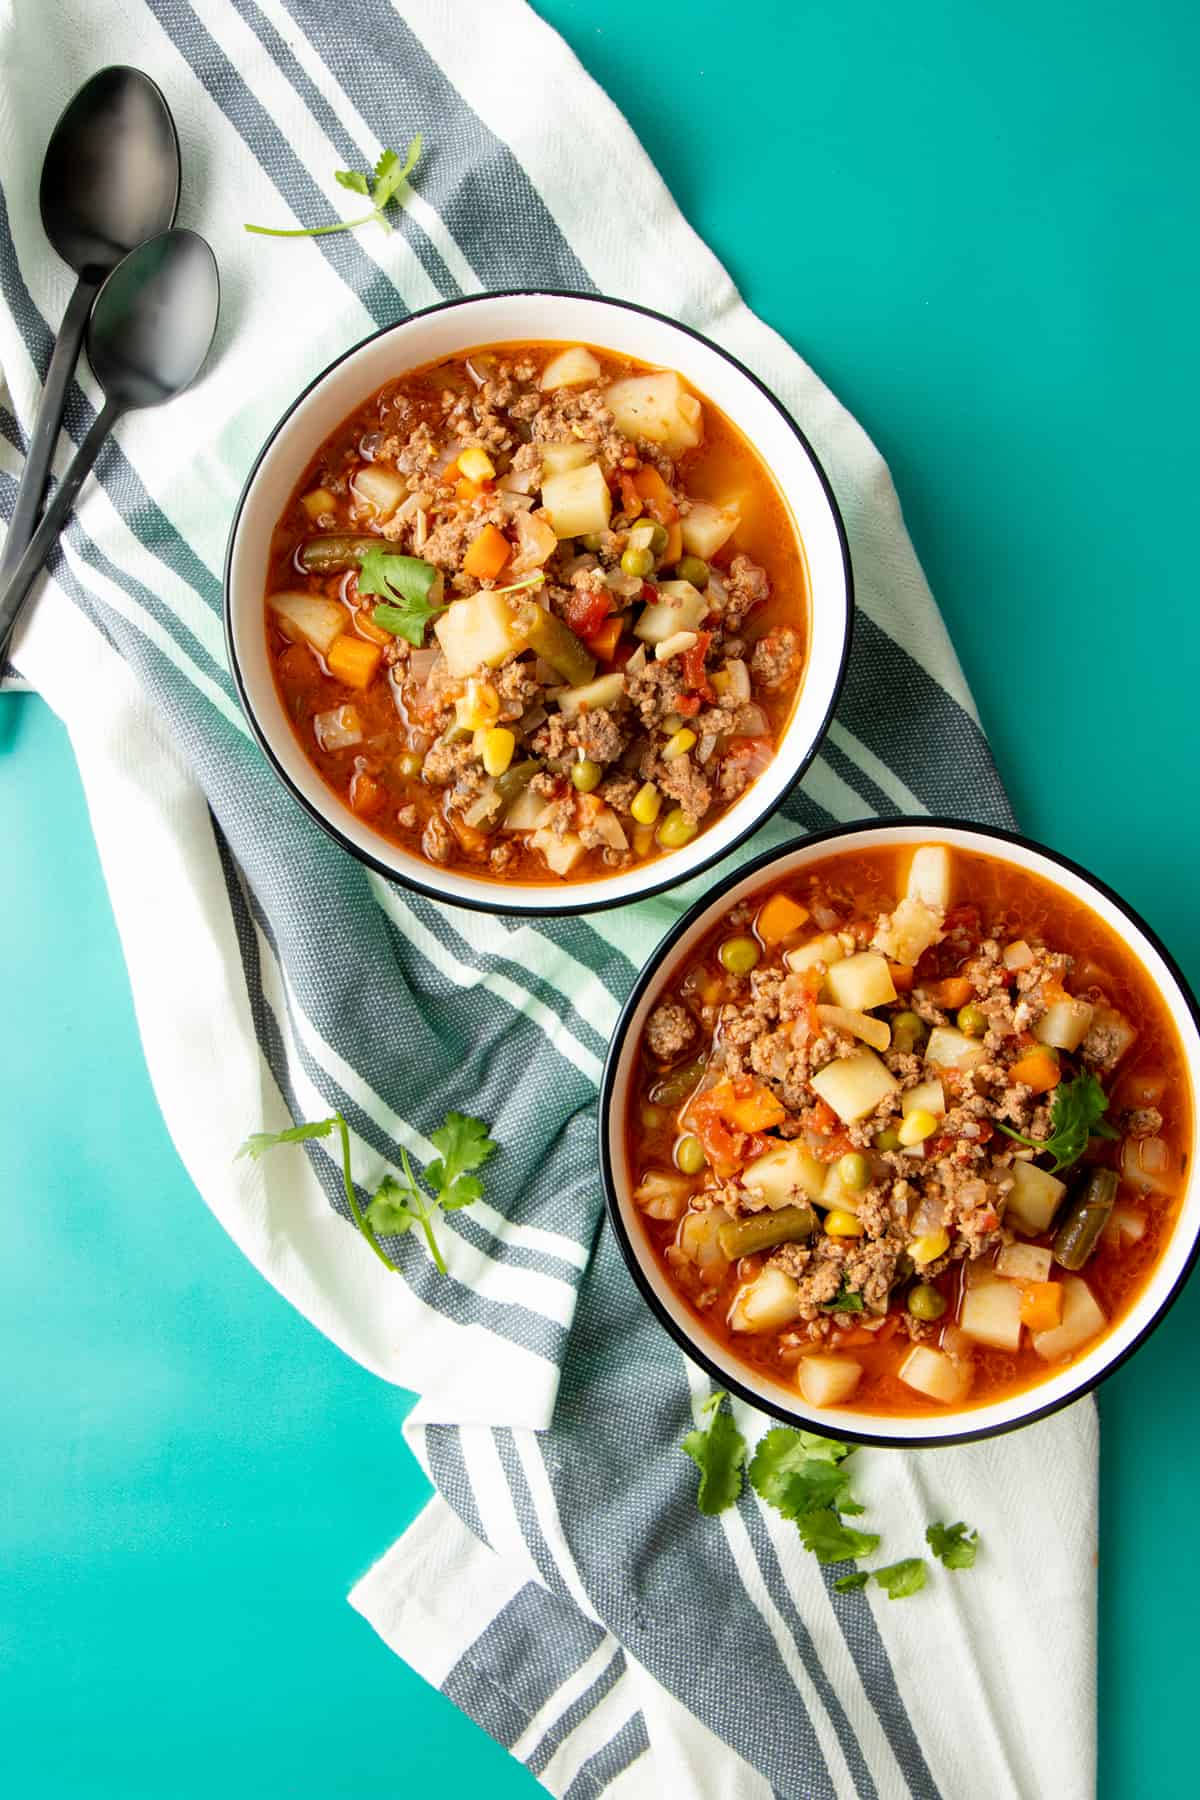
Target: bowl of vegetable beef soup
898, 1132
538, 602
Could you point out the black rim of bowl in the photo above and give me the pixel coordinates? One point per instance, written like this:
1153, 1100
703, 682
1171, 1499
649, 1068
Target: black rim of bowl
573, 902
693, 1347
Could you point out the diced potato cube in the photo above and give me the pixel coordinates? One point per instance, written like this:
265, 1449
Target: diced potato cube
1034, 1199
606, 690
933, 1373
1018, 955
382, 489
477, 629
527, 812
1024, 1262
835, 1194
679, 607
558, 458
705, 528
906, 934
861, 981
570, 368
827, 1380
577, 501
781, 1174
854, 1085
767, 1303
991, 1314
951, 1049
662, 1194
339, 728
929, 876
311, 617
1082, 1319
561, 853
825, 949
320, 501
657, 407
1064, 1024
927, 1096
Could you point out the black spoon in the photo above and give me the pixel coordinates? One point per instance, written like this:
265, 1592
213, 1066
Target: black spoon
149, 333
110, 180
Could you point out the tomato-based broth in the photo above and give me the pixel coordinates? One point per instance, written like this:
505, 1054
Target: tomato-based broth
537, 612
909, 1131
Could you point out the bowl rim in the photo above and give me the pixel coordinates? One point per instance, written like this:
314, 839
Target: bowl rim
799, 1416
571, 901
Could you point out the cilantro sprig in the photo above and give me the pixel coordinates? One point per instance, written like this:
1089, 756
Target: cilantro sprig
410, 590
1076, 1113
380, 189
398, 1206
805, 1478
718, 1450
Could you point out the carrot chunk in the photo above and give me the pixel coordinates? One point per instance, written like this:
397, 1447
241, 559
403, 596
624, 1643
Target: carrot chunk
780, 917
1038, 1069
955, 991
1041, 1304
352, 660
657, 496
486, 554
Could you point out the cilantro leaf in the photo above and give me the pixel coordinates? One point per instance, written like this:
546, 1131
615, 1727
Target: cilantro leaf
899, 1579
718, 1451
260, 1141
830, 1541
397, 1206
390, 176
1076, 1113
788, 1476
828, 1449
845, 1300
954, 1545
407, 585
846, 1584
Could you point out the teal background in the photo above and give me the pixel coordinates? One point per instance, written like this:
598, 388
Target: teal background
978, 225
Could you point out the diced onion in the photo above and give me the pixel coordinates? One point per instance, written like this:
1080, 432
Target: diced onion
876, 1032
480, 808
739, 678
421, 663
1148, 1164
823, 916
637, 661
751, 722
708, 744
755, 761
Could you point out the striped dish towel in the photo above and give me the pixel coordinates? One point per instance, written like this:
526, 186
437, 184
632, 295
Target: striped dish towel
561, 1587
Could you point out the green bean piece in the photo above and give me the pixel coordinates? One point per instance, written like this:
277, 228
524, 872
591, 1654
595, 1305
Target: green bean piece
335, 552
908, 1030
515, 779
762, 1231
674, 1088
739, 955
972, 1021
689, 1155
693, 569
1087, 1215
554, 642
854, 1171
926, 1302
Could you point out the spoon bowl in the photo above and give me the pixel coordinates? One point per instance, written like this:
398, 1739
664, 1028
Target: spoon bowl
151, 328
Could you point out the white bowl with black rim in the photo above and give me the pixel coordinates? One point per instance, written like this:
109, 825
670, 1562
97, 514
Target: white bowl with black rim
449, 330
954, 1424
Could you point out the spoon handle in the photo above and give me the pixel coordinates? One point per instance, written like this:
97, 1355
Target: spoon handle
67, 346
12, 597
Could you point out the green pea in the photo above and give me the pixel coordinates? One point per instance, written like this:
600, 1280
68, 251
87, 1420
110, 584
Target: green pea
586, 775
739, 955
637, 562
409, 764
677, 830
592, 540
908, 1030
972, 1020
854, 1171
659, 536
689, 1155
926, 1302
693, 569
888, 1139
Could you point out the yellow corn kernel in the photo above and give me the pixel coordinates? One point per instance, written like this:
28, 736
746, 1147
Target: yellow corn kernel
671, 724
719, 681
646, 804
497, 750
843, 1224
916, 1127
480, 705
643, 840
476, 464
929, 1247
679, 745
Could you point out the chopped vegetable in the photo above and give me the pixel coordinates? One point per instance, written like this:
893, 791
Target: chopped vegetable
760, 1231
861, 982
718, 1450
353, 660
779, 918
854, 1085
486, 554
411, 590
389, 177
900, 1579
657, 407
1076, 1114
827, 1380
335, 552
830, 1540
792, 1475
1084, 1221
956, 1546
1082, 1319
